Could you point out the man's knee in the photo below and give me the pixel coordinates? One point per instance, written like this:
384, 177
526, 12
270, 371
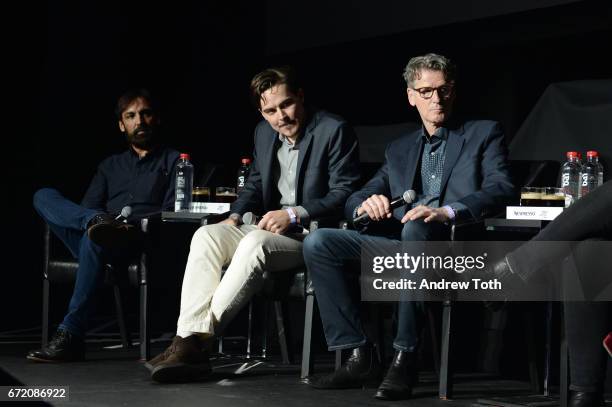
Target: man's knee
41, 197
206, 234
254, 241
418, 230
414, 230
318, 241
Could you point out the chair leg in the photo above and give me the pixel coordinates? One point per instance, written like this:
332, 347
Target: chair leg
145, 340
564, 368
534, 377
125, 335
446, 387
250, 330
435, 347
264, 328
280, 329
338, 359
45, 313
307, 363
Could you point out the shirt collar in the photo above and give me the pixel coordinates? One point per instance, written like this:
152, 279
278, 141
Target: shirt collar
286, 141
441, 133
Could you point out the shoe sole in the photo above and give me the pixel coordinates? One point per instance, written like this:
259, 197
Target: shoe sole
370, 384
393, 397
41, 360
180, 373
107, 235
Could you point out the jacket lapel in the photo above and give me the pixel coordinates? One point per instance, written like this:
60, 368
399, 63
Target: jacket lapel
304, 151
413, 157
267, 177
454, 144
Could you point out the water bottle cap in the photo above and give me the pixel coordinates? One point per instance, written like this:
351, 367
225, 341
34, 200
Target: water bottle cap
572, 154
245, 161
592, 153
184, 156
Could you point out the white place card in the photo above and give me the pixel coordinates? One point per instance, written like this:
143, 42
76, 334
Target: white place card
210, 207
532, 212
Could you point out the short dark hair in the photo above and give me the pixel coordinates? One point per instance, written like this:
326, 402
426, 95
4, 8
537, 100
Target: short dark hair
272, 77
131, 95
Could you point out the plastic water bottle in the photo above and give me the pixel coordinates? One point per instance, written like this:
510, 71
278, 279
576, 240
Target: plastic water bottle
600, 169
243, 174
184, 184
570, 177
589, 173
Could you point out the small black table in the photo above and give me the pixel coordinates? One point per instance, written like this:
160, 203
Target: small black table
189, 217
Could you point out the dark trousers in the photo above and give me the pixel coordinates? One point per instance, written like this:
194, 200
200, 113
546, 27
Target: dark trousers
586, 324
68, 221
328, 253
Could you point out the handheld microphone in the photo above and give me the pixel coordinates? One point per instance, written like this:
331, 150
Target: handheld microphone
125, 213
406, 198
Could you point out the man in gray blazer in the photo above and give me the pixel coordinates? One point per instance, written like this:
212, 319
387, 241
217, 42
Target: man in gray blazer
306, 166
458, 171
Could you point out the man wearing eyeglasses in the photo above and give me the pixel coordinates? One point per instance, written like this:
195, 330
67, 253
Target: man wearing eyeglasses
458, 171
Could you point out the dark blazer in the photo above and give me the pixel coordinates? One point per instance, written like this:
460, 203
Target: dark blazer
327, 168
476, 172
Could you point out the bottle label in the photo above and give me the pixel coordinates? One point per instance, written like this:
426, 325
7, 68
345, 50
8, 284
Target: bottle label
565, 180
585, 180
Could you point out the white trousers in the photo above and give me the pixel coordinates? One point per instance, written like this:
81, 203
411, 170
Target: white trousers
209, 302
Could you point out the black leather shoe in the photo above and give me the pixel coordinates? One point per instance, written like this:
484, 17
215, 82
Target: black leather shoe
63, 347
361, 369
400, 378
107, 232
586, 399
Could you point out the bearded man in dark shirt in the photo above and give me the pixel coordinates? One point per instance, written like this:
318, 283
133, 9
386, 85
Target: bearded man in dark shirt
136, 183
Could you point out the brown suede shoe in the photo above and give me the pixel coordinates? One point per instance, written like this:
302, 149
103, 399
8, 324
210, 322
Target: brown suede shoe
151, 363
183, 361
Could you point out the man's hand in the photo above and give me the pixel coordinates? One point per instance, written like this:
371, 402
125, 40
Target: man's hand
430, 214
230, 221
275, 221
377, 207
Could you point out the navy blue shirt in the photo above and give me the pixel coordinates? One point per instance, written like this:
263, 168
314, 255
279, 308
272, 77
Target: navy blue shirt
146, 184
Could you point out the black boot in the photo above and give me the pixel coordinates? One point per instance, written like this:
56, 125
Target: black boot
586, 399
362, 368
400, 378
63, 347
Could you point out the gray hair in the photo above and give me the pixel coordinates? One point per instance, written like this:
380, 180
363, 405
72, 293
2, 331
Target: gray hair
432, 62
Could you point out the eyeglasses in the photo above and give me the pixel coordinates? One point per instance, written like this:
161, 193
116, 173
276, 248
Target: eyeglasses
444, 91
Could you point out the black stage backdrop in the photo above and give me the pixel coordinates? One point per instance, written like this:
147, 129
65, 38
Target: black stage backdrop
68, 62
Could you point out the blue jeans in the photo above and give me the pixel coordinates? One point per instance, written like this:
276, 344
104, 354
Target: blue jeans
328, 253
68, 221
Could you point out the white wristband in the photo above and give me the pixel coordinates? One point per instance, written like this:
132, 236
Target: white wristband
292, 215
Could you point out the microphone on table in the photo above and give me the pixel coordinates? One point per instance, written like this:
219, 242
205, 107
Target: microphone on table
125, 213
406, 198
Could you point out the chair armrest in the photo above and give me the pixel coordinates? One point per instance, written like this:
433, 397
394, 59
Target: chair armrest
215, 218
327, 222
473, 229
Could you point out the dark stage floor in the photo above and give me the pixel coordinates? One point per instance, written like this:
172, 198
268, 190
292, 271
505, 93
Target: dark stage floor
114, 377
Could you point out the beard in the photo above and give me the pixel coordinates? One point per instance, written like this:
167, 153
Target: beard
142, 137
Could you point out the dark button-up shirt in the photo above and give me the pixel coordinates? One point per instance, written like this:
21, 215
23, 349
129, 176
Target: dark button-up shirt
432, 166
432, 169
146, 184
